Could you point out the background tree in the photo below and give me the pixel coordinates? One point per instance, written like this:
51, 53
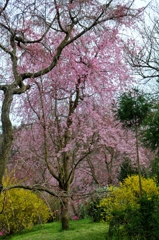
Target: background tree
150, 132
126, 169
154, 169
34, 38
25, 29
132, 109
143, 54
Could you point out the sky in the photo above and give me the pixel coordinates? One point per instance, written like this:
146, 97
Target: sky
141, 3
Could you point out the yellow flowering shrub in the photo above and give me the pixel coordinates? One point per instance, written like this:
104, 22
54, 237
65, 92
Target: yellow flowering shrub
127, 194
20, 208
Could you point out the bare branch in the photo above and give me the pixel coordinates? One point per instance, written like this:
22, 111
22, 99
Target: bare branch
3, 8
33, 188
6, 50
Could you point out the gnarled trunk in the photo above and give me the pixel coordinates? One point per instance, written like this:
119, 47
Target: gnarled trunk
64, 184
7, 133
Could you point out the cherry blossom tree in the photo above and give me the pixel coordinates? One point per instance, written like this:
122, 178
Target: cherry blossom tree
25, 29
35, 37
69, 130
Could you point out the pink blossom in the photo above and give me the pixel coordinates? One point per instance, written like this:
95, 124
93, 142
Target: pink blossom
75, 218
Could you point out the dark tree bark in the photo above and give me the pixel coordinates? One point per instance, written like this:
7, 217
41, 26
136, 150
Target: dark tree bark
64, 214
7, 132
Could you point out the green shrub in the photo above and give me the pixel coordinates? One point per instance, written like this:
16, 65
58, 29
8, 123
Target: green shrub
154, 169
129, 215
143, 222
127, 194
127, 169
54, 205
20, 208
91, 208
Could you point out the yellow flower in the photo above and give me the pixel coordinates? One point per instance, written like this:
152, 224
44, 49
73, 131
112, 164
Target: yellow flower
127, 194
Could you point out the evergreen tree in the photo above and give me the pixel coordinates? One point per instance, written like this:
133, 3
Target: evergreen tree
131, 110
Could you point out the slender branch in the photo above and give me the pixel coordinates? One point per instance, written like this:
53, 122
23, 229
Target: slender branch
33, 188
38, 188
6, 50
76, 164
58, 18
25, 41
53, 63
3, 8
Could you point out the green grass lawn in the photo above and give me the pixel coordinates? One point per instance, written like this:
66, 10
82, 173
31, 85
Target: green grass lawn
79, 230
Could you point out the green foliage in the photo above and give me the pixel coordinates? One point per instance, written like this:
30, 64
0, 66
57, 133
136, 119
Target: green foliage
150, 133
90, 208
136, 223
132, 108
143, 222
54, 205
130, 215
126, 169
127, 194
20, 208
83, 211
154, 169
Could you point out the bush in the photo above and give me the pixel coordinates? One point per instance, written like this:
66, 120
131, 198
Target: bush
127, 169
127, 194
154, 169
91, 207
143, 222
20, 208
130, 215
54, 206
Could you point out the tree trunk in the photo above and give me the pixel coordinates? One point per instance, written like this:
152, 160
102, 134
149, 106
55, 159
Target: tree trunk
64, 185
7, 133
64, 213
138, 162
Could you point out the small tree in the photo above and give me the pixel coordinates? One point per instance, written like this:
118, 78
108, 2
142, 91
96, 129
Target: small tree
131, 110
150, 133
126, 170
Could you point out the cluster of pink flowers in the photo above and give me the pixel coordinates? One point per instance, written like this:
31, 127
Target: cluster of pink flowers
75, 218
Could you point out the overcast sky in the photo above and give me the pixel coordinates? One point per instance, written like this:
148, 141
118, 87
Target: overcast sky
141, 3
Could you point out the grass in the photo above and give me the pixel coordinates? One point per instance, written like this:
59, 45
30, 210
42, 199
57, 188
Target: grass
79, 230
